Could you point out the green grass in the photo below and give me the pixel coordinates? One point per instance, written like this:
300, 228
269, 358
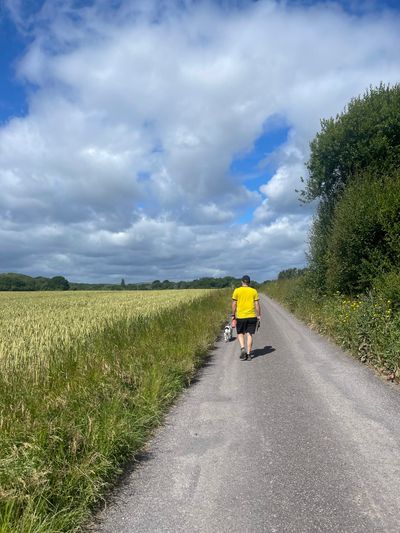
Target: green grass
66, 431
367, 326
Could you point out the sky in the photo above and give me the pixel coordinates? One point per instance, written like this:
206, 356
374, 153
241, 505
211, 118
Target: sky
149, 139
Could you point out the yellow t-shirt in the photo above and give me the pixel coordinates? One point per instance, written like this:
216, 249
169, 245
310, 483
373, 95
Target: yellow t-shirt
245, 297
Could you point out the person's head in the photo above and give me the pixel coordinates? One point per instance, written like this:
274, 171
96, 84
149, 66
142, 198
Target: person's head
246, 280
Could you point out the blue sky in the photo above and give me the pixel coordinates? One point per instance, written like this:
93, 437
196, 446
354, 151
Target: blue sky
13, 97
14, 41
229, 92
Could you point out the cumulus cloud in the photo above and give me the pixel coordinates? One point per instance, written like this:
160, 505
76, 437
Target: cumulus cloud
136, 112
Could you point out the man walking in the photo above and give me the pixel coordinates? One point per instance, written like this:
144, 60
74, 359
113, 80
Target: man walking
246, 309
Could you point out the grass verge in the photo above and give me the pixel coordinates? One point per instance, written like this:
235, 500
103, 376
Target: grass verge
65, 431
367, 326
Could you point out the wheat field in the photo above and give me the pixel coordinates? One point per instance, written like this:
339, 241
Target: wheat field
84, 378
34, 325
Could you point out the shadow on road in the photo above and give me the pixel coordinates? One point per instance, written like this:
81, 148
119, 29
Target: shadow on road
207, 363
259, 352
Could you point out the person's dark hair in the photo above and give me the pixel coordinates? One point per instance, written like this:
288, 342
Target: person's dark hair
246, 279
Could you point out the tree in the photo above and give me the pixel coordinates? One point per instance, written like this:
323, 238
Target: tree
123, 283
366, 136
291, 273
58, 283
364, 140
16, 282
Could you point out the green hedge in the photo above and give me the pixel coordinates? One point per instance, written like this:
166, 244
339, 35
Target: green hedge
364, 241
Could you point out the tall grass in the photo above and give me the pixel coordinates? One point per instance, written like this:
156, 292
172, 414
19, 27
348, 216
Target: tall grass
367, 326
66, 428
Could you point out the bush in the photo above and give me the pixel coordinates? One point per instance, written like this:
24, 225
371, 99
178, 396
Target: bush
367, 326
387, 287
365, 236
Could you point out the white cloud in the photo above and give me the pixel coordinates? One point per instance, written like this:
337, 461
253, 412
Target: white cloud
137, 115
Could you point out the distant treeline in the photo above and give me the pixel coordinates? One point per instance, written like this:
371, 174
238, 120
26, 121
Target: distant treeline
21, 282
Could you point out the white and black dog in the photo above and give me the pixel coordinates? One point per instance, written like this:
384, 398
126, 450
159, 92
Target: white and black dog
228, 333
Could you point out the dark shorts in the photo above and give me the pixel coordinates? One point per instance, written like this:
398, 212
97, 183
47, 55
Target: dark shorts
246, 325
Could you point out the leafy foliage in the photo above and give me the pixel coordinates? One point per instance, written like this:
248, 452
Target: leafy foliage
291, 273
368, 326
353, 170
319, 239
364, 242
366, 136
387, 287
20, 282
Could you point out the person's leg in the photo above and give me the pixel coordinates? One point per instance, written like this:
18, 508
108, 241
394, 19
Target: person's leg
250, 330
240, 338
243, 354
249, 342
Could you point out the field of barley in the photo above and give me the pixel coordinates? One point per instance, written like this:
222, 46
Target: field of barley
35, 324
85, 377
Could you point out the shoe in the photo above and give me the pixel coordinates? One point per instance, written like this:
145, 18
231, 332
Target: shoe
248, 356
242, 354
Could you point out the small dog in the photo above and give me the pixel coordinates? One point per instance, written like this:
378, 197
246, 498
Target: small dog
228, 333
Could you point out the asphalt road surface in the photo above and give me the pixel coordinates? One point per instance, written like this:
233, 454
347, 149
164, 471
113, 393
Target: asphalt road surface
302, 438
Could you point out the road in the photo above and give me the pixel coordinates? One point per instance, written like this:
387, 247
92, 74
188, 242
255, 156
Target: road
303, 438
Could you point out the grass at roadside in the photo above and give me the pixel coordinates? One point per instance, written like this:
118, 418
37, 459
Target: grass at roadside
66, 431
367, 326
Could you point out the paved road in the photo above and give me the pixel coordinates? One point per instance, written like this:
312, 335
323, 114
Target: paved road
301, 439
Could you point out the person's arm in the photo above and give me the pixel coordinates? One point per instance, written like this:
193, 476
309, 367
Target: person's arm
258, 309
234, 306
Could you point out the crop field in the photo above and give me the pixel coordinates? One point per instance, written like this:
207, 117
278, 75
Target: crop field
84, 378
35, 324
